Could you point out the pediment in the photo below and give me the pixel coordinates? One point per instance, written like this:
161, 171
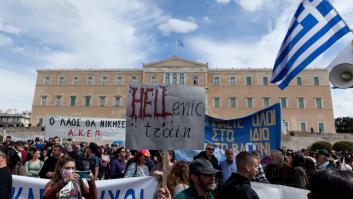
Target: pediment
175, 62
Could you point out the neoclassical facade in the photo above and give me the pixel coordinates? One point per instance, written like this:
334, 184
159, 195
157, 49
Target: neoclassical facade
230, 92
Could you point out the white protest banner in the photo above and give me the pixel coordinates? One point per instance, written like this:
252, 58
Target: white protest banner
272, 191
132, 188
85, 128
165, 117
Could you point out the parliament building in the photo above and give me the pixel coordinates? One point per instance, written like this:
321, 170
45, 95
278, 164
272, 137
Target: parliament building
230, 92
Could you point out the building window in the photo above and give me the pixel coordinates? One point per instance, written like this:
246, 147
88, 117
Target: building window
174, 79
316, 81
216, 102
119, 80
76, 80
117, 101
284, 102
61, 80
266, 101
318, 102
299, 81
301, 103
182, 78
40, 122
302, 126
87, 100
248, 81
285, 126
249, 102
167, 79
233, 102
265, 81
58, 100
89, 80
46, 80
154, 80
321, 127
104, 80
195, 80
133, 80
232, 81
72, 100
43, 100
215, 80
101, 100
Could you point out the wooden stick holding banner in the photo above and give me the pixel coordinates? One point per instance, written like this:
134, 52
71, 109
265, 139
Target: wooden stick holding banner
165, 168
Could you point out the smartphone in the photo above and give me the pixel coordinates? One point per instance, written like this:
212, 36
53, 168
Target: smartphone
83, 174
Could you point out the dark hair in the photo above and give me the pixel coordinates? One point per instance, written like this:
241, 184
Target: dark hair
298, 160
332, 183
93, 147
243, 158
59, 147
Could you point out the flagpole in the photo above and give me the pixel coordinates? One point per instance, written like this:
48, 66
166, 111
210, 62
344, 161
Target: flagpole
176, 47
344, 21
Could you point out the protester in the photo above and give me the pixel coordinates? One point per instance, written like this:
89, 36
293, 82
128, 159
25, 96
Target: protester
238, 185
280, 172
65, 183
330, 183
228, 166
118, 164
178, 177
138, 167
105, 162
49, 165
202, 182
5, 178
43, 155
34, 165
322, 160
260, 175
92, 163
14, 161
157, 169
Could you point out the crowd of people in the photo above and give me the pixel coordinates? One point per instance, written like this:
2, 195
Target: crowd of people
319, 171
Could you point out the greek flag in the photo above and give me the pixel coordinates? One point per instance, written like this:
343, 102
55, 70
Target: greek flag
315, 27
179, 43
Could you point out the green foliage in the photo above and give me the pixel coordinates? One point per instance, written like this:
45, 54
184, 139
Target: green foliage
343, 146
321, 145
344, 125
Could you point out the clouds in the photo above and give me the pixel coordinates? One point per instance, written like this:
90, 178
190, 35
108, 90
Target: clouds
251, 5
177, 26
5, 41
222, 2
17, 90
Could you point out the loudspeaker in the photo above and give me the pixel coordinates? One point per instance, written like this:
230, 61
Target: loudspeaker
341, 75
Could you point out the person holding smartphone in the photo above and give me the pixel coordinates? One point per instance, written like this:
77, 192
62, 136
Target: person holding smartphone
66, 183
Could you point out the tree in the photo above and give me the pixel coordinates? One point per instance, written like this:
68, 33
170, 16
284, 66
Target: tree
344, 125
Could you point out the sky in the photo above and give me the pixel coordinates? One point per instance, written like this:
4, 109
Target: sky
127, 33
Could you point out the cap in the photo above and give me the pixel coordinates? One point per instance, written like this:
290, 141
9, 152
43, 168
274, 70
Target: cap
323, 152
144, 152
202, 166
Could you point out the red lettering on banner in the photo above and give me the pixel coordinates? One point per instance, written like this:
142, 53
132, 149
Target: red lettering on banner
88, 134
80, 132
98, 133
143, 101
70, 133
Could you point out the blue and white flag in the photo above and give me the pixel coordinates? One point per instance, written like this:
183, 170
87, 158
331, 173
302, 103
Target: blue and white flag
315, 27
179, 43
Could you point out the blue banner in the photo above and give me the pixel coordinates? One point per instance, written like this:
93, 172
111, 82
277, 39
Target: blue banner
260, 131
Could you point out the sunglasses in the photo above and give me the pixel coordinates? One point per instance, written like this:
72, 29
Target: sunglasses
210, 149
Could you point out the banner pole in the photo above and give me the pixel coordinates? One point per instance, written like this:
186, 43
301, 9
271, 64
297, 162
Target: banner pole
165, 168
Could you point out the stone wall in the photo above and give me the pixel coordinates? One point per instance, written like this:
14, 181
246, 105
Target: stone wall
298, 140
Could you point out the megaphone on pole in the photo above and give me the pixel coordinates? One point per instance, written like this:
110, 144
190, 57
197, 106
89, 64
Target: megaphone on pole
341, 69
